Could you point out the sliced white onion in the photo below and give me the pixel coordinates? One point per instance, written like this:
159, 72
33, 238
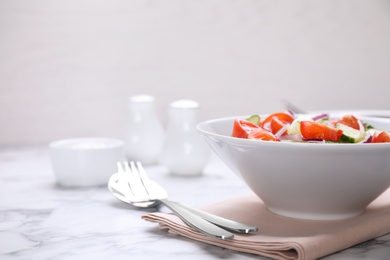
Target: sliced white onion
282, 130
291, 112
294, 137
321, 116
314, 140
367, 140
361, 126
267, 126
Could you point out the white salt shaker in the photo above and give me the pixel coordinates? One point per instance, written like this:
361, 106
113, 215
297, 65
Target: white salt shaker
144, 132
184, 152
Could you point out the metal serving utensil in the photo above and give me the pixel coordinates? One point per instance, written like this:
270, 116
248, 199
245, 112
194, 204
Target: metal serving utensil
131, 185
366, 113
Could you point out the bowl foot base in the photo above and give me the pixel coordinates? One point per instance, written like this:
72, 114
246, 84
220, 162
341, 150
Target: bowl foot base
315, 216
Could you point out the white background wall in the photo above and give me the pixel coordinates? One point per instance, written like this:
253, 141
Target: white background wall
67, 67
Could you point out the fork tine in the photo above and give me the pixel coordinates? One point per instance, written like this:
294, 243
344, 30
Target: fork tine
154, 190
120, 168
121, 171
135, 182
133, 168
142, 173
144, 177
136, 168
127, 167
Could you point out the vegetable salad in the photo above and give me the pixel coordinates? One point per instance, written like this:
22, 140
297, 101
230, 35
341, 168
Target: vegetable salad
285, 126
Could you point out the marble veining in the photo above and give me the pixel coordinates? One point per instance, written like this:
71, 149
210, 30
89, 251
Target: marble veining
39, 220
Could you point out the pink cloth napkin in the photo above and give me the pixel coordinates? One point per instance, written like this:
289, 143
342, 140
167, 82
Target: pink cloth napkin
286, 238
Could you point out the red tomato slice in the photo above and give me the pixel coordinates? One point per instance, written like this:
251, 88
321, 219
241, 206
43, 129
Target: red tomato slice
277, 124
262, 134
241, 128
350, 121
380, 137
314, 130
282, 116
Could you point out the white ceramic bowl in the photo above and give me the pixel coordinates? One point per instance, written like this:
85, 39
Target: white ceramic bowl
318, 181
83, 162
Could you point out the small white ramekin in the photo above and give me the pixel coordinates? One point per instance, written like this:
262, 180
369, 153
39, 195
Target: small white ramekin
83, 162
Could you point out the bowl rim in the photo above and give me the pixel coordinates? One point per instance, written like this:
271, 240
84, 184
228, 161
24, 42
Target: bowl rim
234, 140
64, 144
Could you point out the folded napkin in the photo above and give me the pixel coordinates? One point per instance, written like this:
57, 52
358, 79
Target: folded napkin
282, 237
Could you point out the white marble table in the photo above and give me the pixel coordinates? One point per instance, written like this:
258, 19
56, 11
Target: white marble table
39, 220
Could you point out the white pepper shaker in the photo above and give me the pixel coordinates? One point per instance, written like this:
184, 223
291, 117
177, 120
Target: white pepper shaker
184, 152
144, 136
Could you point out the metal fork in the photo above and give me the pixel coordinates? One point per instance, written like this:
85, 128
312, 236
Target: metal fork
293, 108
143, 190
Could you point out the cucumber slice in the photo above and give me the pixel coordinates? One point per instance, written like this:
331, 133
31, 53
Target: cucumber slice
295, 127
350, 135
254, 119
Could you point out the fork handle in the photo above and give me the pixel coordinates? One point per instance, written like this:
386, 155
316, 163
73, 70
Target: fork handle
197, 222
225, 223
